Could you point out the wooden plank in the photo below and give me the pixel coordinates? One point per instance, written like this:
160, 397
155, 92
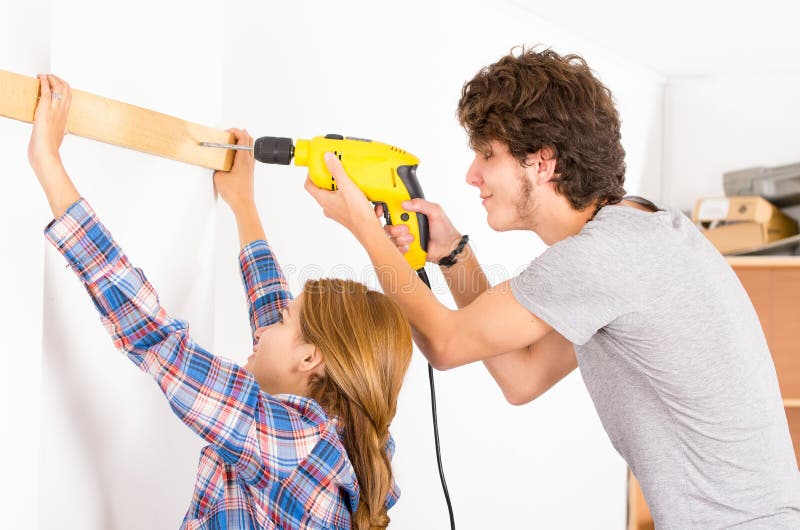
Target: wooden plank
121, 124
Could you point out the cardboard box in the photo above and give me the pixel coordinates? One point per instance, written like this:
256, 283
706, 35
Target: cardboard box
734, 224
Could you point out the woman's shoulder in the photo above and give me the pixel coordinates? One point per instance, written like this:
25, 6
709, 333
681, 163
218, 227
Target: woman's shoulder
307, 409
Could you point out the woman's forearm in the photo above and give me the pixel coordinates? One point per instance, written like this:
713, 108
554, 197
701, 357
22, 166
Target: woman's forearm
58, 187
248, 223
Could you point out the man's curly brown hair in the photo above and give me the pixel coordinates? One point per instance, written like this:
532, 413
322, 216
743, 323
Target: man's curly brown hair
537, 99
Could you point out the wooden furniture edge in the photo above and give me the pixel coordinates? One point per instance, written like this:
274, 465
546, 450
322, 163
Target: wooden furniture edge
763, 261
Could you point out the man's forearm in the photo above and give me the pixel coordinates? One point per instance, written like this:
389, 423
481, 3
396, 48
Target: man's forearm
525, 374
491, 324
400, 282
521, 374
248, 223
465, 279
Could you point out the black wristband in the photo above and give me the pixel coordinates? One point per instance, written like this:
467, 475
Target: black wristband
450, 259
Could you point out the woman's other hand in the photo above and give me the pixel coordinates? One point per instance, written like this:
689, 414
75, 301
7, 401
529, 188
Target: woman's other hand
236, 189
236, 186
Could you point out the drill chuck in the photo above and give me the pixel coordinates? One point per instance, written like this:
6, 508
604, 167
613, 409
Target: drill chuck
274, 150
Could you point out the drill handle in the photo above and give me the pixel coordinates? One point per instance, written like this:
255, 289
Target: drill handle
408, 174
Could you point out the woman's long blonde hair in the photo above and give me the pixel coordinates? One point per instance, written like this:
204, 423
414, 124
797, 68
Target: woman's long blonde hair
365, 341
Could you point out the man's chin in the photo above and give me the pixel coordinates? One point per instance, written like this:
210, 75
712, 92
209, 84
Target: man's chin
496, 225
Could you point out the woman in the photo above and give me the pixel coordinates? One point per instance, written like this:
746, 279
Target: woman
299, 436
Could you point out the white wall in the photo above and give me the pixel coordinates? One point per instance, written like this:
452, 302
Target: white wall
394, 73
24, 47
112, 454
723, 123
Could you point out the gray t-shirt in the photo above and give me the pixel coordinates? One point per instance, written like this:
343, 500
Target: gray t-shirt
674, 358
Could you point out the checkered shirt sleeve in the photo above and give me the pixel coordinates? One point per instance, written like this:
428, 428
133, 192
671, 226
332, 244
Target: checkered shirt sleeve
263, 437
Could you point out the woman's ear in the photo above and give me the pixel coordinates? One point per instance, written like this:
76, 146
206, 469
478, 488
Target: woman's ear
310, 358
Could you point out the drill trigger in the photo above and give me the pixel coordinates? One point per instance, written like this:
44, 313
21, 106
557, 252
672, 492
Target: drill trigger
386, 215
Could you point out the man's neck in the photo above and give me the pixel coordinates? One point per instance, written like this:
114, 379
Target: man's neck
638, 206
560, 220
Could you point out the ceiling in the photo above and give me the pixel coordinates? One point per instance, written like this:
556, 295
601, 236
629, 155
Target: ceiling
684, 38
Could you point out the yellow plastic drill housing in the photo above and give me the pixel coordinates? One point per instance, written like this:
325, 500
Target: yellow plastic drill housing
386, 174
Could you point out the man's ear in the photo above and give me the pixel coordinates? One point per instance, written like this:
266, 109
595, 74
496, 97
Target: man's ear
310, 358
546, 169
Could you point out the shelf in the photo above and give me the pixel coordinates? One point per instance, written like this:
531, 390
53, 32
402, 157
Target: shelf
791, 403
783, 247
764, 261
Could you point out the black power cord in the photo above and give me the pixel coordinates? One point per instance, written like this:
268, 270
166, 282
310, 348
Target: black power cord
424, 277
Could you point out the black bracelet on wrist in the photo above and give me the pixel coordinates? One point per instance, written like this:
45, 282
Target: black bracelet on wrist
450, 259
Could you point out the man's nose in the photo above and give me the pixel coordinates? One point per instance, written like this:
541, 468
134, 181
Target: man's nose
473, 177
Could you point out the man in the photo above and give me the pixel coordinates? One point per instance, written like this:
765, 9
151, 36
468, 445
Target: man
667, 341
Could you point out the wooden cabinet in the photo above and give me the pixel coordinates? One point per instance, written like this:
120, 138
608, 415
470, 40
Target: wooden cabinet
773, 284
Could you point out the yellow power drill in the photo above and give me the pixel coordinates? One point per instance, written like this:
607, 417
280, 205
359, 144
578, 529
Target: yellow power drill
386, 174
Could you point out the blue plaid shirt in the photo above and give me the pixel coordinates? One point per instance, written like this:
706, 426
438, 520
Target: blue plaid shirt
273, 461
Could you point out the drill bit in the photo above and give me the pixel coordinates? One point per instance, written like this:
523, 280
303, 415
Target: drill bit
227, 146
267, 149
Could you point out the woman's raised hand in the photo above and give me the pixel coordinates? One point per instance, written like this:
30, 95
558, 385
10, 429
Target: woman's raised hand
49, 124
49, 128
236, 186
